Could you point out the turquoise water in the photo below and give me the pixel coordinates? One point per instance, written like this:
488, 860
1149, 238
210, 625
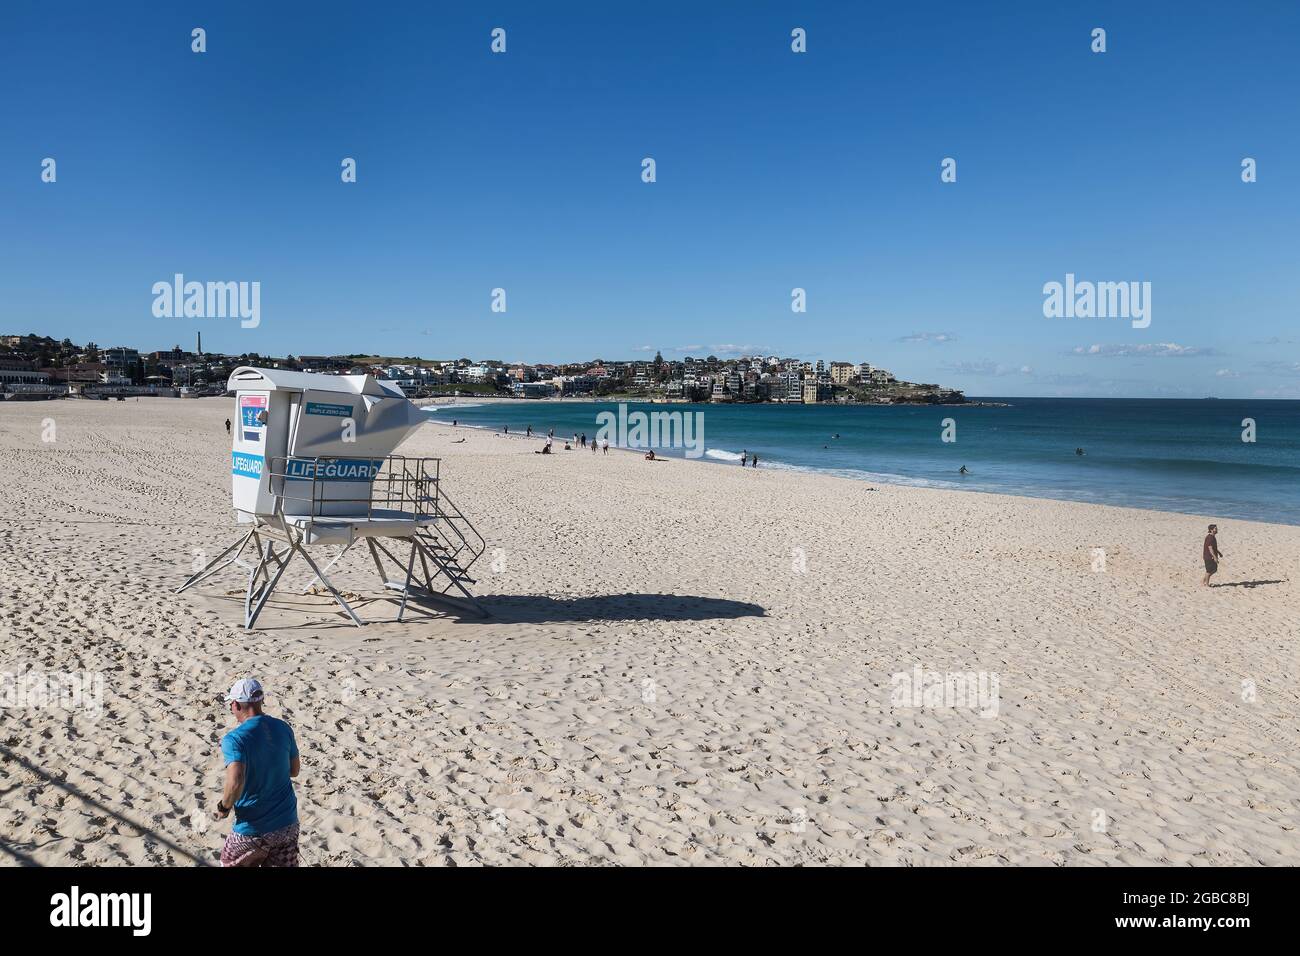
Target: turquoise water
1172, 455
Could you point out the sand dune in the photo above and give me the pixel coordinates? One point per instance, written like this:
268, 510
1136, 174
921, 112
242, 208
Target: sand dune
687, 663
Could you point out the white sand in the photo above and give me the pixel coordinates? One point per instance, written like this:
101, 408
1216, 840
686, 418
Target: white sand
770, 737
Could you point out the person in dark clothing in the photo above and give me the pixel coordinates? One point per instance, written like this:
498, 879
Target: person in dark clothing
227, 426
1211, 553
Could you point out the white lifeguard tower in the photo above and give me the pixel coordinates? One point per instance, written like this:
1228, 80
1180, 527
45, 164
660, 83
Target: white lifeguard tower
312, 464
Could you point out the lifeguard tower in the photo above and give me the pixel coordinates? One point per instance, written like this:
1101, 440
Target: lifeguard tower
312, 464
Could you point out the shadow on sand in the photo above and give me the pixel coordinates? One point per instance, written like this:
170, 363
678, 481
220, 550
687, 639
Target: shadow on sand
543, 609
1244, 584
23, 859
502, 609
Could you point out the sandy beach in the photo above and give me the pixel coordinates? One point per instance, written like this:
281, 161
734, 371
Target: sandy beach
686, 663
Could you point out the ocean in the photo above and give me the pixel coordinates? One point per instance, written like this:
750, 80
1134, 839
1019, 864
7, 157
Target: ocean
1167, 454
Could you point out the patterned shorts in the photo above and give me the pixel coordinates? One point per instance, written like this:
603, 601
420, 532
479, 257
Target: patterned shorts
277, 848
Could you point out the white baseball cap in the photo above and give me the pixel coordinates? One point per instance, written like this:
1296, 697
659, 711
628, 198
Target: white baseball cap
245, 691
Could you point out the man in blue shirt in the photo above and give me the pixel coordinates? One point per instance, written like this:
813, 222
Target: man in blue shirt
261, 757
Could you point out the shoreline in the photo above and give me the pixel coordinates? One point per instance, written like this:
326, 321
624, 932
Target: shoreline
866, 476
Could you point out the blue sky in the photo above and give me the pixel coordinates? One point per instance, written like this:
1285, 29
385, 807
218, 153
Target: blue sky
775, 170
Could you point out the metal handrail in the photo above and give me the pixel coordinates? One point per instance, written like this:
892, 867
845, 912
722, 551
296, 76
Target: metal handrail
399, 483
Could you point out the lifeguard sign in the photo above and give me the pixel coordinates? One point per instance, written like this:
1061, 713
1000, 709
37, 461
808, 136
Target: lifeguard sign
312, 461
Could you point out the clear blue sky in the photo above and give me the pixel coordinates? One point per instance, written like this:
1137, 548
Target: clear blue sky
775, 170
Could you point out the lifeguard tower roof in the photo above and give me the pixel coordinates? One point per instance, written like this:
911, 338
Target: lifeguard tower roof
282, 380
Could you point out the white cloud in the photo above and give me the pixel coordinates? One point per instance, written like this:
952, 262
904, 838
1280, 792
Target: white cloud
986, 367
1143, 350
933, 338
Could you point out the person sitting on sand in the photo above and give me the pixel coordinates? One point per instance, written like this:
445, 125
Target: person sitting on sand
650, 455
261, 758
1210, 552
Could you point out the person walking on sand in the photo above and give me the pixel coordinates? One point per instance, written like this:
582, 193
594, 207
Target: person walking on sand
604, 446
227, 426
529, 432
753, 461
261, 757
594, 443
1210, 552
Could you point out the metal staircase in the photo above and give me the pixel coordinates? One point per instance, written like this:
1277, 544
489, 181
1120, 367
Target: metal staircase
445, 544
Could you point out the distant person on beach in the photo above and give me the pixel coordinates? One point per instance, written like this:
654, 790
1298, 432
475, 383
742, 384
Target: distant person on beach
594, 443
753, 461
506, 429
744, 457
650, 455
551, 433
261, 758
453, 423
582, 440
227, 426
604, 446
529, 432
1079, 452
1210, 552
962, 470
